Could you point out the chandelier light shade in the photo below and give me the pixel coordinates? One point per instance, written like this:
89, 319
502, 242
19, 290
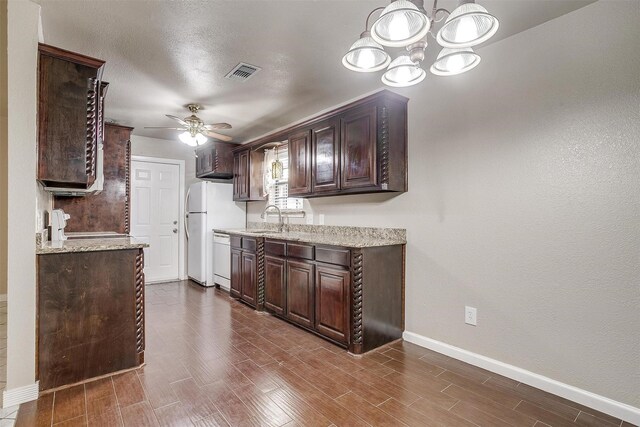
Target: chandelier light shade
403, 72
366, 55
192, 140
468, 25
400, 24
455, 61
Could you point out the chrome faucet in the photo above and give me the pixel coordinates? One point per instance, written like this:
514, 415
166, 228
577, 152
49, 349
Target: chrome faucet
280, 222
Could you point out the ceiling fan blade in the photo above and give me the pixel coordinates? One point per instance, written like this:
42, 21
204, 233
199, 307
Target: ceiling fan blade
182, 122
218, 126
160, 127
217, 135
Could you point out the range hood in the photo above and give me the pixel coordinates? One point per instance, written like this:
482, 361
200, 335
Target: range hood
95, 188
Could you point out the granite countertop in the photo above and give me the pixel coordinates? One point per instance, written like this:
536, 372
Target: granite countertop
90, 245
350, 237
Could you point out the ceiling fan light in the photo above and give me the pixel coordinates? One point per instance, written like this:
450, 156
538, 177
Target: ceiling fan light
455, 61
366, 55
403, 72
200, 139
400, 24
468, 25
188, 139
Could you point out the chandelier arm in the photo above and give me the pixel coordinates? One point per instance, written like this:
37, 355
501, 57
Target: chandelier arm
435, 12
366, 25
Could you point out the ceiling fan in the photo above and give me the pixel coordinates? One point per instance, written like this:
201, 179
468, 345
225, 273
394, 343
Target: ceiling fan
195, 132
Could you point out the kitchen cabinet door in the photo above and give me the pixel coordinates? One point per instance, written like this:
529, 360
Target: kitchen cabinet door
359, 148
69, 116
300, 163
236, 273
332, 302
325, 138
274, 284
241, 175
249, 278
300, 293
214, 160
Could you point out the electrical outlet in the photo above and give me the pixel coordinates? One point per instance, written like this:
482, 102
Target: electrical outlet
470, 315
320, 219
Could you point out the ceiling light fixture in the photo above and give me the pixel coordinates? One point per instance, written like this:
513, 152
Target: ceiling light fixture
405, 24
192, 139
455, 61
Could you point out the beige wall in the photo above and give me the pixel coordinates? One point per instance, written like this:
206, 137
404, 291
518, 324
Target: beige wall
23, 20
524, 196
3, 147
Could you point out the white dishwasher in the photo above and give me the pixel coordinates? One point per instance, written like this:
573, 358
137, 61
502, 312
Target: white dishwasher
222, 260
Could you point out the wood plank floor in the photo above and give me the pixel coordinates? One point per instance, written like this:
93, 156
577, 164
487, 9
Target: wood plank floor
211, 361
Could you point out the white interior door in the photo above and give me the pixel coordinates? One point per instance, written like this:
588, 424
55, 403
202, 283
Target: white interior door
155, 215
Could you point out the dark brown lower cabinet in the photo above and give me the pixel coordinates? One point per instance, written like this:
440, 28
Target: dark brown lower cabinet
274, 284
332, 302
236, 273
300, 292
90, 315
244, 269
249, 279
353, 297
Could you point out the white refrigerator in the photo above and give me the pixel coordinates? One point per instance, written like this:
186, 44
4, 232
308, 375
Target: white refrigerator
210, 205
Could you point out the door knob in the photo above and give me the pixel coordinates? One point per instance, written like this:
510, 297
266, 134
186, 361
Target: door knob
175, 230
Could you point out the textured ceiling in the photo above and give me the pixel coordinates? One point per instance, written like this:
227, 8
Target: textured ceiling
162, 55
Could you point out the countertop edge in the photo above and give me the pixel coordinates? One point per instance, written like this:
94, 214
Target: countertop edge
309, 238
48, 250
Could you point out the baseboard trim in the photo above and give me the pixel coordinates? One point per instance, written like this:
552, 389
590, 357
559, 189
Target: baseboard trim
603, 404
16, 396
3, 297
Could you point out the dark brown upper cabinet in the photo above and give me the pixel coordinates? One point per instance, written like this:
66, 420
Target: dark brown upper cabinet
108, 210
325, 143
360, 147
247, 175
214, 161
69, 117
300, 163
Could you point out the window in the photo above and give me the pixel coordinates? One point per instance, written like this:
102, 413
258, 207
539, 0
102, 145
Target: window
278, 189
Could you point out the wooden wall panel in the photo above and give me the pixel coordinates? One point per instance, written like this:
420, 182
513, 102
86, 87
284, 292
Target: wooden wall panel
108, 210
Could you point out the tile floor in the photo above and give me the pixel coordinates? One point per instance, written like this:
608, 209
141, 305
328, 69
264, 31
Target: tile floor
211, 361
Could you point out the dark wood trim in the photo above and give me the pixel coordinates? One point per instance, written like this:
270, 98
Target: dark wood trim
282, 134
356, 302
67, 55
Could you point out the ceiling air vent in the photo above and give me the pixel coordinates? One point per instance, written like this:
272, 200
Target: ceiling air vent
242, 72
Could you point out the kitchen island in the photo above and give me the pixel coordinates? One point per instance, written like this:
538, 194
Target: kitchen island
90, 309
345, 284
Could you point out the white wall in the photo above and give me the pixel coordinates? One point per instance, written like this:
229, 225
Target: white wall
23, 20
524, 201
167, 149
3, 147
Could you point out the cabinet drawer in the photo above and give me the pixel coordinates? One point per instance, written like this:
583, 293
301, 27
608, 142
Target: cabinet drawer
299, 251
235, 241
275, 248
249, 244
333, 256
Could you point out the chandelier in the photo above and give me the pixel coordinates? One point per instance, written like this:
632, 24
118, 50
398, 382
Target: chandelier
405, 24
